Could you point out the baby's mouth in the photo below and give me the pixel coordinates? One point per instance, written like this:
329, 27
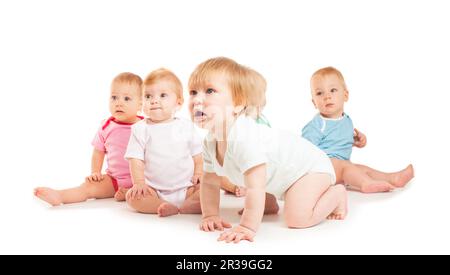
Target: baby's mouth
199, 114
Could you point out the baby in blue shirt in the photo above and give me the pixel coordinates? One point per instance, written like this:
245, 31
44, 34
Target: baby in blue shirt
333, 135
332, 131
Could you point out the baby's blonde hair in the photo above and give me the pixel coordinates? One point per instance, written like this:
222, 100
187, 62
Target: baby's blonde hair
248, 87
330, 71
130, 79
167, 75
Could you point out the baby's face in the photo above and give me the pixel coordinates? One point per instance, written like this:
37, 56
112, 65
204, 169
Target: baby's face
125, 102
211, 105
160, 101
328, 95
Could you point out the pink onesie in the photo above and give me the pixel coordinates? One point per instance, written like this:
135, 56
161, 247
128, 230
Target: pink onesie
112, 138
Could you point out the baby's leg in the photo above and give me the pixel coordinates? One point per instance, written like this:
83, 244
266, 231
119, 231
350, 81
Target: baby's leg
358, 179
271, 205
120, 194
152, 204
227, 185
192, 203
231, 188
240, 191
312, 199
398, 179
88, 190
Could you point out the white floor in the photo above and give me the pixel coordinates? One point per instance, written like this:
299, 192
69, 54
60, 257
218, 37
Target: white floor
398, 222
55, 81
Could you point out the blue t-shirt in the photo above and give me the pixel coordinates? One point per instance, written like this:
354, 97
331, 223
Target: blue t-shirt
333, 136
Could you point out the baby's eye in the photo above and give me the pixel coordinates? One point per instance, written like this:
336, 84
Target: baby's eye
113, 97
163, 95
210, 91
127, 98
193, 93
318, 93
148, 96
333, 90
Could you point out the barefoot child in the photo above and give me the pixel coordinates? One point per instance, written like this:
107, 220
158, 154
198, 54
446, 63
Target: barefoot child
261, 158
111, 141
164, 152
332, 131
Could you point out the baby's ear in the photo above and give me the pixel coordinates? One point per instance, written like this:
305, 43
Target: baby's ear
346, 95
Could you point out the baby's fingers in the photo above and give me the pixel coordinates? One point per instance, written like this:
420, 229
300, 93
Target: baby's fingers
231, 237
131, 194
218, 226
211, 226
223, 236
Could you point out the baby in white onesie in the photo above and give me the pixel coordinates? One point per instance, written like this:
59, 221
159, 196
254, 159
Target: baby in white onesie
225, 98
164, 152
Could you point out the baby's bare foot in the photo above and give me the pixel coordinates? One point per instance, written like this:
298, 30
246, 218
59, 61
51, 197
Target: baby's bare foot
400, 179
120, 194
341, 210
49, 195
191, 207
377, 187
166, 209
240, 191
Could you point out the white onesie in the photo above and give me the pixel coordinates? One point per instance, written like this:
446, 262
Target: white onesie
167, 150
288, 157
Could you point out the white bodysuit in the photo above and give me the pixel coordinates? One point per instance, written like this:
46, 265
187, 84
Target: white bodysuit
167, 150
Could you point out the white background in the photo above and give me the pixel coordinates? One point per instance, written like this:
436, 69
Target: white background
57, 59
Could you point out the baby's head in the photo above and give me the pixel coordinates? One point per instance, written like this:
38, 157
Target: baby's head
126, 97
163, 95
221, 89
329, 92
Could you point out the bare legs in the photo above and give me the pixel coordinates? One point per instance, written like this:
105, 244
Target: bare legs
192, 203
271, 205
369, 180
120, 194
88, 190
398, 179
231, 188
312, 199
152, 204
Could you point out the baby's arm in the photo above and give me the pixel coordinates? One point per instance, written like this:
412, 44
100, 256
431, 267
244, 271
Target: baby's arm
359, 138
198, 168
139, 189
96, 165
255, 179
210, 200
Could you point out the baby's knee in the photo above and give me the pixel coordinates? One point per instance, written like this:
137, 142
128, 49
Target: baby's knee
132, 202
298, 220
88, 187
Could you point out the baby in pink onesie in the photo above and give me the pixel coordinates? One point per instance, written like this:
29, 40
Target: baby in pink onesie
111, 142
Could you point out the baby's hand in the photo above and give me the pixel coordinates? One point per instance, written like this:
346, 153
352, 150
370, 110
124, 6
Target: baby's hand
212, 223
138, 191
96, 176
196, 179
360, 139
237, 234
